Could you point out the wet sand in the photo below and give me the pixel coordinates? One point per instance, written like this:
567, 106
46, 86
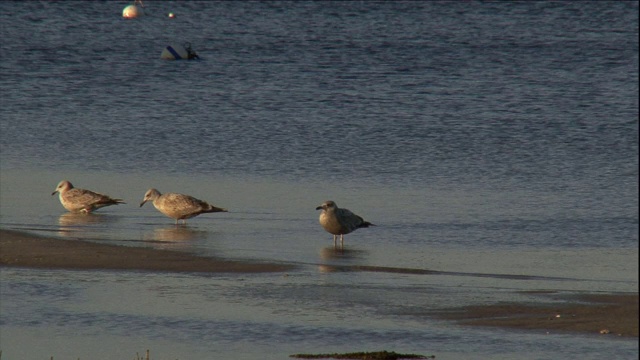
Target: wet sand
608, 315
20, 249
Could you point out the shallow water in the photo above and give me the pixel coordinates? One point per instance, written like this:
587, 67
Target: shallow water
325, 305
262, 316
495, 146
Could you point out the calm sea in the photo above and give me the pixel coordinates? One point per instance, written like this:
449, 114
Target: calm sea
493, 142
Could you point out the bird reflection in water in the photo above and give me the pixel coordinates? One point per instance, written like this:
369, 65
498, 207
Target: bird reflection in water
331, 253
75, 224
81, 219
173, 237
341, 258
170, 234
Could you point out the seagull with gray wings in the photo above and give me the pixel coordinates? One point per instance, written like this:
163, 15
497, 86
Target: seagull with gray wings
339, 221
81, 200
179, 206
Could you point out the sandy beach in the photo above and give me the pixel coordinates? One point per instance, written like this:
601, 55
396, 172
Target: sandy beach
604, 314
610, 315
20, 249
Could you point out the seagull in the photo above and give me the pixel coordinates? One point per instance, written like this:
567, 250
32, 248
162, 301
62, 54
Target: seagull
81, 200
178, 206
338, 221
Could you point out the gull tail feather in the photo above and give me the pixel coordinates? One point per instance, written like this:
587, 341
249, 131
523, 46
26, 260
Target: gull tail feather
366, 224
216, 209
112, 201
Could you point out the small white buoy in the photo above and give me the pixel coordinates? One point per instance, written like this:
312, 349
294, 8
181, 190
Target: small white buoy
171, 15
134, 10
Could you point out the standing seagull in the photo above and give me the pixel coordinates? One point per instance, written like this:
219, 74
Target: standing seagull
178, 206
81, 200
338, 221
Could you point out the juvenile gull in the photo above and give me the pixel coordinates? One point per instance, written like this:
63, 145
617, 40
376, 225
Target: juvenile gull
338, 221
81, 200
179, 206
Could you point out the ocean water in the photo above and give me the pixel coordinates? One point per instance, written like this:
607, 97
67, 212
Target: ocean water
494, 144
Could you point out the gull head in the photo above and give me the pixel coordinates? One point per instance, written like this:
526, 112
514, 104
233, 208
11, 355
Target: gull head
327, 205
150, 195
63, 186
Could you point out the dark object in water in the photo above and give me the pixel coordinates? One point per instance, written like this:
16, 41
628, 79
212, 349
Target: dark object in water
377, 355
191, 53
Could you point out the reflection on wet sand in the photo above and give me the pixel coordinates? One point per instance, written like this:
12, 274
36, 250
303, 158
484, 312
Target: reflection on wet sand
81, 219
327, 268
74, 224
331, 253
173, 237
341, 255
175, 234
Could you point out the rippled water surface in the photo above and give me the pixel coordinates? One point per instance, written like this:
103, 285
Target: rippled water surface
494, 144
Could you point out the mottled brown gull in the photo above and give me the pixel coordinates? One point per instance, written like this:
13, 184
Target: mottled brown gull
338, 221
179, 206
81, 200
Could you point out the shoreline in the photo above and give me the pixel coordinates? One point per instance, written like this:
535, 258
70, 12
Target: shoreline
605, 314
20, 249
